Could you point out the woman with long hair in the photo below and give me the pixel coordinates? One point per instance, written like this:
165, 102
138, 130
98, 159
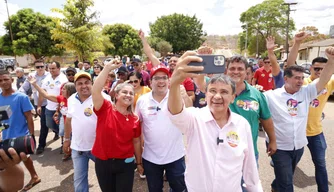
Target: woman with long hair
136, 80
118, 134
67, 90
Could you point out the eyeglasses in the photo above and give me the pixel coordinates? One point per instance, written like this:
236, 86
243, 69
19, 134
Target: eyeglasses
157, 78
318, 68
70, 74
135, 81
39, 67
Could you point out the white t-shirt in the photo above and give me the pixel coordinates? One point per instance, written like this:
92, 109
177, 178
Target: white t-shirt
52, 87
163, 140
83, 122
289, 113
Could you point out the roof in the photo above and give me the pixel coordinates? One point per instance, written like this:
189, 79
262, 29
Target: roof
323, 43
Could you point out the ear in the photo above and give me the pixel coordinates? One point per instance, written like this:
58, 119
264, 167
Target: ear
285, 78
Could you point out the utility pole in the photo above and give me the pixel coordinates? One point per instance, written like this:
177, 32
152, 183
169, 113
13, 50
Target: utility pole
10, 31
10, 24
287, 27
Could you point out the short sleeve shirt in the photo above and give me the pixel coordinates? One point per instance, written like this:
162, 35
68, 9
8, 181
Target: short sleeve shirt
252, 105
115, 133
317, 105
264, 78
19, 104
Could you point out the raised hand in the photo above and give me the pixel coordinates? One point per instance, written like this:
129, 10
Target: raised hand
330, 53
32, 80
271, 43
112, 65
299, 37
204, 50
141, 34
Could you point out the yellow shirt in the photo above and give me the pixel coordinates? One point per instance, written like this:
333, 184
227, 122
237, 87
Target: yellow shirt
314, 126
143, 90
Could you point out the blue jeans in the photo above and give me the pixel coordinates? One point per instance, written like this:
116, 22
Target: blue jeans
80, 163
50, 122
285, 163
317, 146
174, 173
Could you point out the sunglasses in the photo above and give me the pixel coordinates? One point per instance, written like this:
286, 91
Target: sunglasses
318, 68
39, 67
267, 62
157, 78
70, 74
135, 81
135, 64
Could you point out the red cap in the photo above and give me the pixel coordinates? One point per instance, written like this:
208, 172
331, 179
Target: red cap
158, 68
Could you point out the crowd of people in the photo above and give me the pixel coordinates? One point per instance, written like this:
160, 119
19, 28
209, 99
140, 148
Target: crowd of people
131, 115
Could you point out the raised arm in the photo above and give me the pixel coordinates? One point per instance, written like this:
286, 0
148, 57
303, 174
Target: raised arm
200, 79
272, 57
299, 37
41, 91
327, 71
181, 72
99, 84
148, 50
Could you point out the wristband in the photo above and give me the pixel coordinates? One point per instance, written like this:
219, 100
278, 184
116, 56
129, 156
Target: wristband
67, 139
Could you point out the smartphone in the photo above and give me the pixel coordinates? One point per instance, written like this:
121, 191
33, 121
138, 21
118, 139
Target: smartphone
212, 64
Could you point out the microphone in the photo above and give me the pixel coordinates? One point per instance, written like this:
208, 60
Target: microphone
219, 140
158, 108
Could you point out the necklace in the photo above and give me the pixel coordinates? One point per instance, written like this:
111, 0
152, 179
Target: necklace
126, 117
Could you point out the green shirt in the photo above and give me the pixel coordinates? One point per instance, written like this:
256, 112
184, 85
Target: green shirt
252, 105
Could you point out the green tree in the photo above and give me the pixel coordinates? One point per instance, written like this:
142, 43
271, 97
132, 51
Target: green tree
268, 18
181, 31
314, 34
124, 38
31, 35
164, 47
79, 29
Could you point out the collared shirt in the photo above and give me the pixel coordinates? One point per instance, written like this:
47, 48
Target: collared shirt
252, 105
52, 87
289, 113
314, 126
214, 166
83, 122
39, 80
163, 140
